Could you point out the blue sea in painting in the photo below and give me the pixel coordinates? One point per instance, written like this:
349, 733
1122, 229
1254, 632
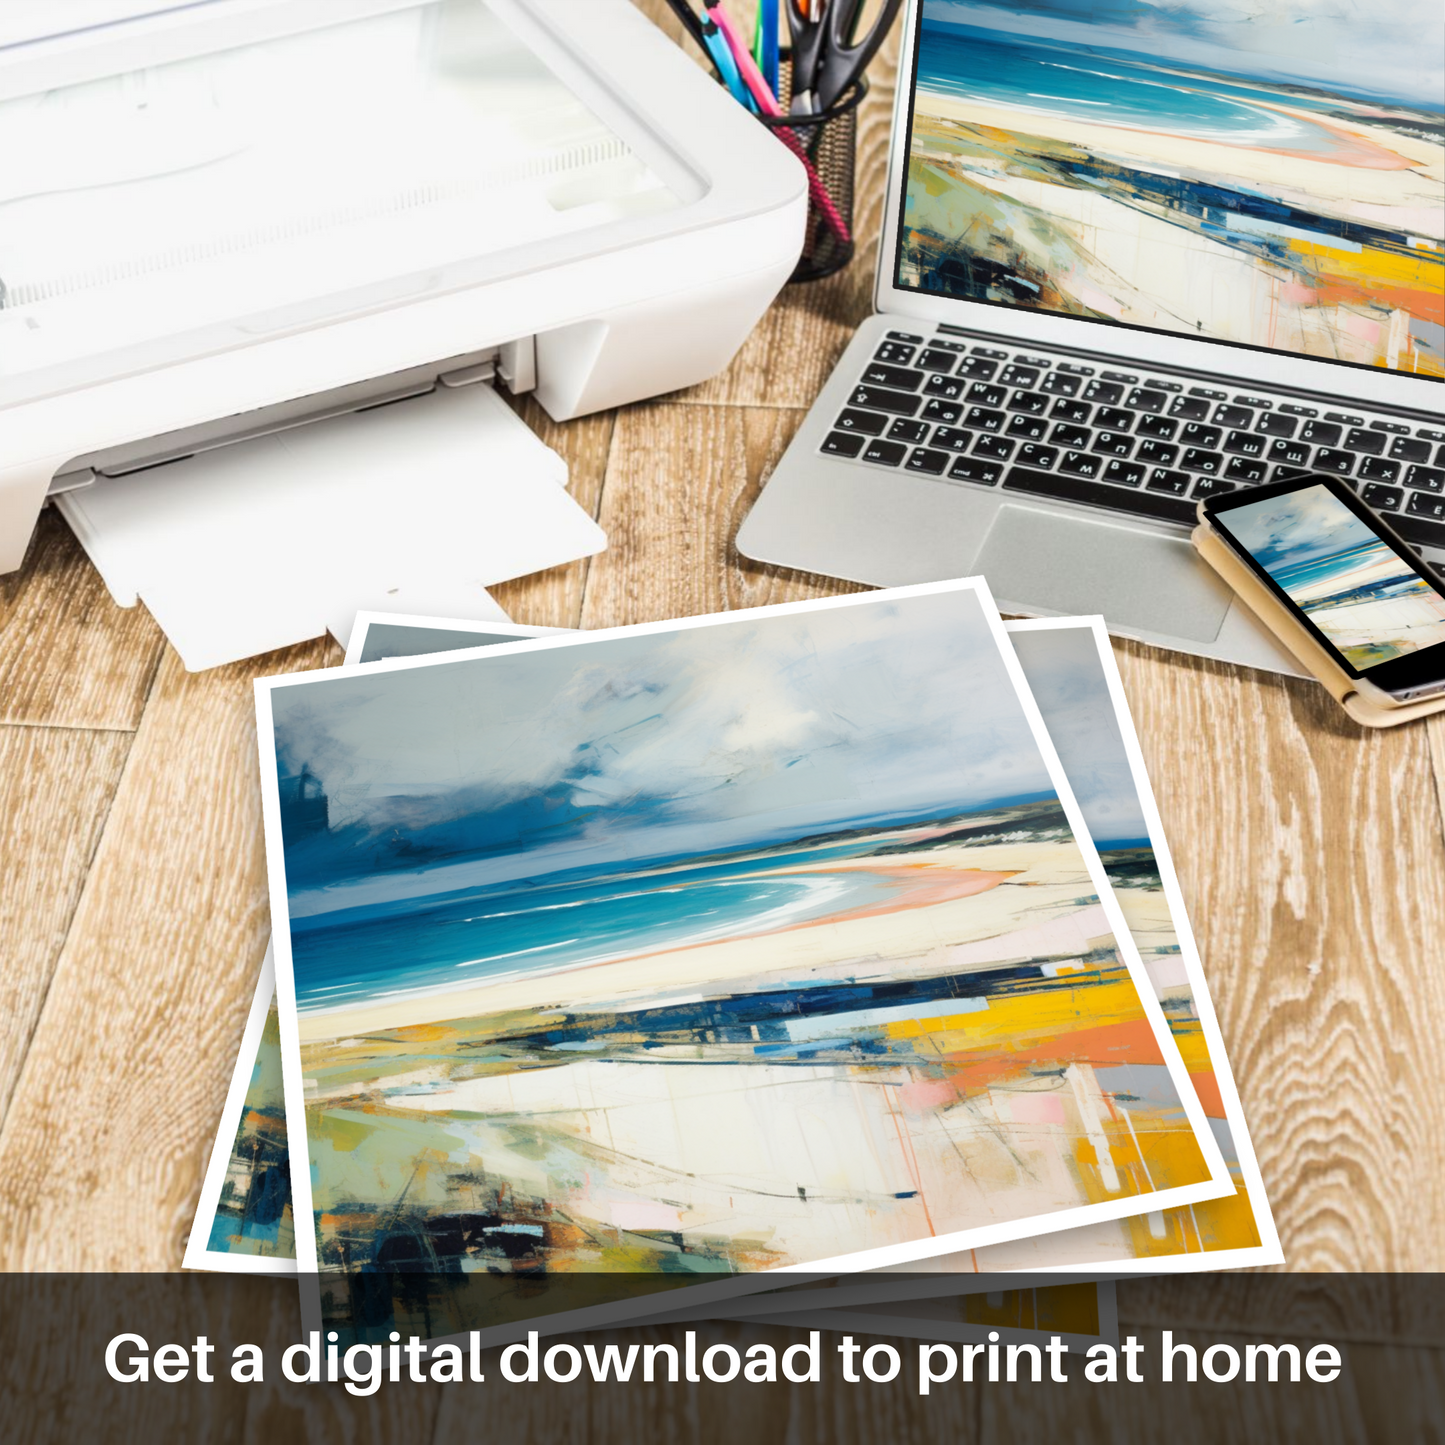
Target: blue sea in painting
484, 934
988, 66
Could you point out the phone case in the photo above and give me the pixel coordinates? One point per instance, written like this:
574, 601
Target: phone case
1262, 602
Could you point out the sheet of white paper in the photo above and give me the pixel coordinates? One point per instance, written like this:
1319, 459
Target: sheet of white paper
416, 506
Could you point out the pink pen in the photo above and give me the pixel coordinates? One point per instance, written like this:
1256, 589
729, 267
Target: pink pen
768, 105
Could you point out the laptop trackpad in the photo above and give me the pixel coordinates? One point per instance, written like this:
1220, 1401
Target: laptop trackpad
1070, 564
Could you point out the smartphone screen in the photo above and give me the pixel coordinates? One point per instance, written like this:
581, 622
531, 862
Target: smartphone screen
1356, 586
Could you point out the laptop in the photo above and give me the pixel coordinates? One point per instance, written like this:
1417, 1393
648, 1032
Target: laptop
1134, 255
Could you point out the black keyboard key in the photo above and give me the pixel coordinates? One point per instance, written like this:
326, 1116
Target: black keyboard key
1382, 499
1031, 428
1233, 416
983, 419
878, 398
1344, 418
1272, 424
1107, 392
1162, 427
1075, 411
972, 469
1253, 401
877, 374
1035, 403
977, 368
843, 444
935, 360
924, 459
1112, 444
1077, 370
1039, 361
886, 454
1426, 479
1293, 410
1430, 434
1189, 408
1070, 436
1419, 531
867, 422
991, 352
1422, 504
1033, 456
1161, 479
1376, 469
1081, 464
1142, 398
1395, 428
1019, 375
948, 387
906, 430
1195, 435
905, 336
1113, 418
1162, 385
1156, 454
1372, 443
1322, 434
1289, 474
1328, 459
1440, 457
1100, 494
895, 353
996, 447
1244, 444
954, 438
1292, 454
1211, 487
1208, 394
1196, 459
1060, 383
936, 409
1124, 474
982, 394
1407, 449
1245, 469
958, 347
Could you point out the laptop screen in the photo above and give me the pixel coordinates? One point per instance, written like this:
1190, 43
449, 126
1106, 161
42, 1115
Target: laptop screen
1266, 174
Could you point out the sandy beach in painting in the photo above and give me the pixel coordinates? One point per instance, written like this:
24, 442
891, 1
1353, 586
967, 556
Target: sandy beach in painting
1235, 208
950, 896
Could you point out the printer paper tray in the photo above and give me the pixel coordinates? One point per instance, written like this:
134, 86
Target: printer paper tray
417, 506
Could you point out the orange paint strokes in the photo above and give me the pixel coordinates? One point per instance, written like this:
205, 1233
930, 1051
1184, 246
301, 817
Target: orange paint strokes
1206, 1085
1373, 277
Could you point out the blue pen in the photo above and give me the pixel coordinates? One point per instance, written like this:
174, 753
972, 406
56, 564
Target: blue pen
727, 67
768, 60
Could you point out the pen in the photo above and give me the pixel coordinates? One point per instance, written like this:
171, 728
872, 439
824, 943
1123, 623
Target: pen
768, 105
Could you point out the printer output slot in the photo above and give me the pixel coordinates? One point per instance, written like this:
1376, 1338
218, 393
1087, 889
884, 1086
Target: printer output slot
513, 362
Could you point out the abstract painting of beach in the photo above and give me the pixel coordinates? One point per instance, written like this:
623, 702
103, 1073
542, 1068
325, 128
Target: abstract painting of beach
1267, 175
1370, 604
711, 949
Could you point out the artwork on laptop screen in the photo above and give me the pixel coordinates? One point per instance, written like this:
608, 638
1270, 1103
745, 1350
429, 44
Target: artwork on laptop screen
1366, 599
1264, 175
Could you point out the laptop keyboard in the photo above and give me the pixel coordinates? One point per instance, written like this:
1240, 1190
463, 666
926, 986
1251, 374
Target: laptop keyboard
1143, 444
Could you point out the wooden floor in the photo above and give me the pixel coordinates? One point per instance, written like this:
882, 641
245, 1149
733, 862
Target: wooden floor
133, 906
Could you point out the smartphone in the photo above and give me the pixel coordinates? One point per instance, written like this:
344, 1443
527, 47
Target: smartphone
1338, 569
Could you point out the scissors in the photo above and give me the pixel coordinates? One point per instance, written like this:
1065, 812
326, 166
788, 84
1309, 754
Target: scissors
828, 56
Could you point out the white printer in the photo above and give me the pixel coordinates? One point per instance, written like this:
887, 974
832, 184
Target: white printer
224, 220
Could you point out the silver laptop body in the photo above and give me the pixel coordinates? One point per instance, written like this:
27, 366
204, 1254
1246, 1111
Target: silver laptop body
944, 444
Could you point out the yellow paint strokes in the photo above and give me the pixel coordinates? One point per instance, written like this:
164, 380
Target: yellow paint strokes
1030, 1017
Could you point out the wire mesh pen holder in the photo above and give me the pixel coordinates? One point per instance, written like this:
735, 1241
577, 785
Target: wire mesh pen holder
827, 145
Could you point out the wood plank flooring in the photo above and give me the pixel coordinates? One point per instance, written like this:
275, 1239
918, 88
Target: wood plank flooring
132, 904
